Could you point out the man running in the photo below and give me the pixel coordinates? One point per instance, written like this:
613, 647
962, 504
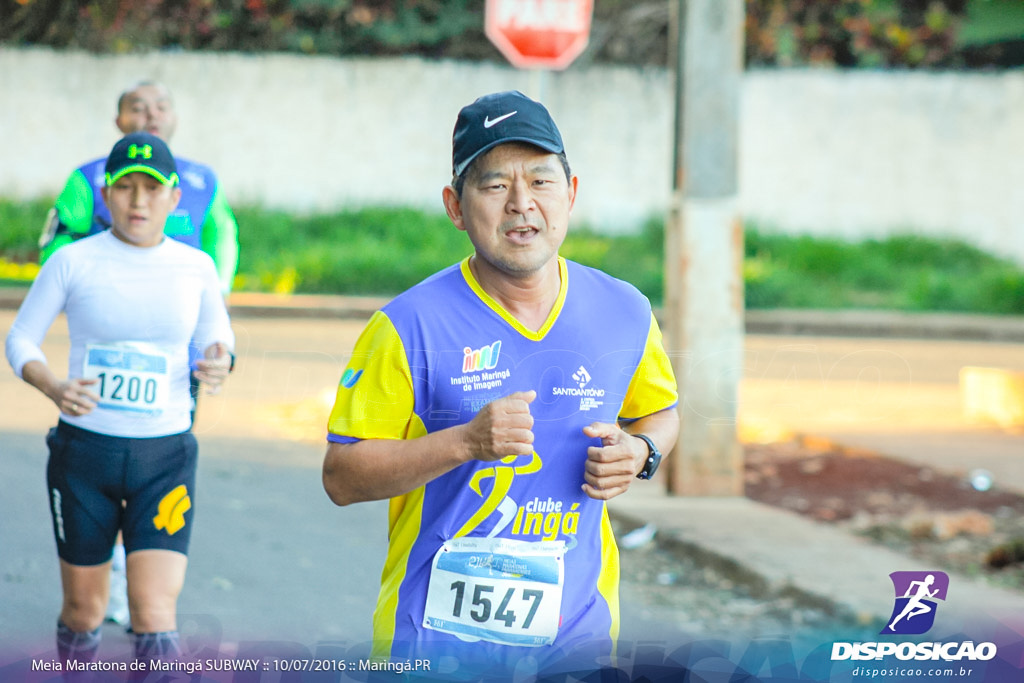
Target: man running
498, 405
202, 218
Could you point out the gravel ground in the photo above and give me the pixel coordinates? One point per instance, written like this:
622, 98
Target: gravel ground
682, 589
961, 523
953, 522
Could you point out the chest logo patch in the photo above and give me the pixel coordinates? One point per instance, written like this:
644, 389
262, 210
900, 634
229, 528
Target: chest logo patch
484, 358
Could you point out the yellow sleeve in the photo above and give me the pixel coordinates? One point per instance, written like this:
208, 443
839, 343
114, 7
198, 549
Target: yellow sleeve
375, 397
653, 387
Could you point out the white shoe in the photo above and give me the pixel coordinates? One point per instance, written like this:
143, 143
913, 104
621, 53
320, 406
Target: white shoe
117, 606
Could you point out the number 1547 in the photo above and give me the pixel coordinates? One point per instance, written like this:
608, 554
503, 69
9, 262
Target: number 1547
482, 604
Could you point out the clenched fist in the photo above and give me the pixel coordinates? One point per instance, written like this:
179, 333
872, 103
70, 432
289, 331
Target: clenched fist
611, 467
503, 427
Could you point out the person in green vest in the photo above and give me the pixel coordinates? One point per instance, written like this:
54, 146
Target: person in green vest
203, 218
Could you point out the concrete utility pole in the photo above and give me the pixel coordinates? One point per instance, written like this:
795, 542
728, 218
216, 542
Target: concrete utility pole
704, 248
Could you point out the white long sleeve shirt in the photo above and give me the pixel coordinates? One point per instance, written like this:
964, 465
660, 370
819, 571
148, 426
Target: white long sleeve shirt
131, 314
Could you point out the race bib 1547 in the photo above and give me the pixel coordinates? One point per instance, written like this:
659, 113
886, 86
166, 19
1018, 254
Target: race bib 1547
500, 590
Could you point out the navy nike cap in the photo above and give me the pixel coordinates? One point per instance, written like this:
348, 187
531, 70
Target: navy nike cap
498, 118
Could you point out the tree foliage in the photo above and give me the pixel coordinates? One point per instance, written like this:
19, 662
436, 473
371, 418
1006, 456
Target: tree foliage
851, 33
841, 33
339, 27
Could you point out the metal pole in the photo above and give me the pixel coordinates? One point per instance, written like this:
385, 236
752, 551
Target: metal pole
538, 84
704, 249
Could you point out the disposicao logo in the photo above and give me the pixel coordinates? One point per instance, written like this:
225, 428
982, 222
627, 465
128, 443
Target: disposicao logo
350, 377
916, 595
913, 613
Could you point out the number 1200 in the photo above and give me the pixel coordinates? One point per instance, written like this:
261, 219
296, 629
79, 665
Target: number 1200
131, 389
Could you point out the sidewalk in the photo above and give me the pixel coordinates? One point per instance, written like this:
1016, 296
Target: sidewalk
766, 548
783, 321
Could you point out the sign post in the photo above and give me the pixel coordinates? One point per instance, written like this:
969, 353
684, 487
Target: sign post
539, 34
704, 250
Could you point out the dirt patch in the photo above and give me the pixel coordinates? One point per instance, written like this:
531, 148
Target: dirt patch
949, 521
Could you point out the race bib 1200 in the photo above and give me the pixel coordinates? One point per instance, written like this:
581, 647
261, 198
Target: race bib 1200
132, 376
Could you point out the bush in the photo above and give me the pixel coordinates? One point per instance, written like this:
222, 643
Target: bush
22, 222
383, 251
905, 272
370, 251
852, 33
844, 33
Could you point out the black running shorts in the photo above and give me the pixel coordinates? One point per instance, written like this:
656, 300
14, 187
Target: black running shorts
89, 474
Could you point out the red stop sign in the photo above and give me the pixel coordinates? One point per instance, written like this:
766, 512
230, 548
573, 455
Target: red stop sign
539, 34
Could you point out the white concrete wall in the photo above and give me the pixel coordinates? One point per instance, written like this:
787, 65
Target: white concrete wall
847, 154
871, 153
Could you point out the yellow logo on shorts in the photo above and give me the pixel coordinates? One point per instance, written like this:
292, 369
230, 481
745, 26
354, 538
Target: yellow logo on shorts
171, 511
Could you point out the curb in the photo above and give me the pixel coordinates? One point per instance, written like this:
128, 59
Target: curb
759, 567
11, 297
751, 544
797, 322
260, 305
758, 584
859, 323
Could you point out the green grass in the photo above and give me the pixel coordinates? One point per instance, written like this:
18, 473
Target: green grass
371, 251
992, 20
383, 251
987, 21
907, 273
20, 225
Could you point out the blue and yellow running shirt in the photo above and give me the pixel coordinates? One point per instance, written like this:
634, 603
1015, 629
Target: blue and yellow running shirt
431, 359
202, 218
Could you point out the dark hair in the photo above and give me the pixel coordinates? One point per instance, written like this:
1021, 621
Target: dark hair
459, 181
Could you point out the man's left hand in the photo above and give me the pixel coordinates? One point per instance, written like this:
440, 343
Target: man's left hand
612, 466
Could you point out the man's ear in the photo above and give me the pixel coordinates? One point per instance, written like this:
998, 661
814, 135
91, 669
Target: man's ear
121, 126
453, 206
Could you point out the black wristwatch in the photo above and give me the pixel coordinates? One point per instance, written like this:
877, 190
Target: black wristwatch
653, 458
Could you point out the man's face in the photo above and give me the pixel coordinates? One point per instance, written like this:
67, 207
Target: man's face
515, 208
148, 108
139, 205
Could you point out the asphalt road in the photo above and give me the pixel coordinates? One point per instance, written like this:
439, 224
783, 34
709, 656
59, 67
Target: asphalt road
274, 562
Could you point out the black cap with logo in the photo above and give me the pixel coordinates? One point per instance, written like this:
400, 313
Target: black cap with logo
141, 153
498, 118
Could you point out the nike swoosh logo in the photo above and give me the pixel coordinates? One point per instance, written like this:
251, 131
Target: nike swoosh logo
488, 122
